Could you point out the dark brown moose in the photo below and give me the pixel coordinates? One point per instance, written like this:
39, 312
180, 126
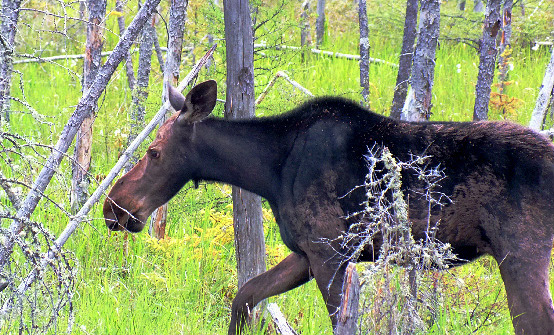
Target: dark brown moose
499, 177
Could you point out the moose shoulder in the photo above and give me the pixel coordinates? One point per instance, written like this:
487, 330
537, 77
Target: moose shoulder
308, 162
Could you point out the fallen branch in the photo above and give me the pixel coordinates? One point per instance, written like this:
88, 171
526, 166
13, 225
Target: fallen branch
281, 74
36, 59
326, 53
76, 220
281, 323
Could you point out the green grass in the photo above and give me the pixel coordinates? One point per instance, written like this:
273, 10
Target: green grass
185, 285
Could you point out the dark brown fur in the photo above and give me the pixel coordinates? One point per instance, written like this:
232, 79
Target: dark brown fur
306, 163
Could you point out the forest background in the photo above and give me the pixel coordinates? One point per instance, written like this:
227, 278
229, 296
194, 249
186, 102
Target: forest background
184, 283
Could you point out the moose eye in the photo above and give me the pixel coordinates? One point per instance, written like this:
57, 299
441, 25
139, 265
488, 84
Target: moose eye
153, 153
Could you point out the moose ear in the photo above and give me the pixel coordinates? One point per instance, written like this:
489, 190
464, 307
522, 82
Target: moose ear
199, 102
176, 99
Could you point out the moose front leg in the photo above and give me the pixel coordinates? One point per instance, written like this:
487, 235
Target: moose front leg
291, 272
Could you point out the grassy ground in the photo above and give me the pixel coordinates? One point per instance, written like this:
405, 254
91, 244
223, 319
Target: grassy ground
185, 283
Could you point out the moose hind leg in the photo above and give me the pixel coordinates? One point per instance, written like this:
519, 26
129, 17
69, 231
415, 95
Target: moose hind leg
525, 276
291, 272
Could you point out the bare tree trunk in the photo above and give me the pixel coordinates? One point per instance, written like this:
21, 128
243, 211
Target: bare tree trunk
305, 38
8, 28
140, 93
423, 70
405, 61
83, 109
128, 60
320, 23
545, 95
176, 31
364, 51
157, 48
505, 48
478, 7
83, 143
487, 60
247, 221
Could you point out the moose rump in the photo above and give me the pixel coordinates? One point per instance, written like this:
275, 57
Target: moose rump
308, 163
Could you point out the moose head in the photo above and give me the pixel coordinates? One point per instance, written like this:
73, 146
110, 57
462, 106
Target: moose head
169, 162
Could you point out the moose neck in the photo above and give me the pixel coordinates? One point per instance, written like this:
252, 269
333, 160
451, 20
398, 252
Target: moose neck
245, 153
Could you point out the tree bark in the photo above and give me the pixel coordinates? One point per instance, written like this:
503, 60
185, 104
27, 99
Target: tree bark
8, 28
423, 70
364, 51
405, 61
487, 60
505, 48
83, 109
545, 95
140, 93
176, 31
247, 210
320, 22
128, 60
83, 142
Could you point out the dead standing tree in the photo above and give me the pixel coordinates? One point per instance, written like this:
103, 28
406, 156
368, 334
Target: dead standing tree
83, 142
364, 51
487, 60
240, 99
405, 61
546, 95
8, 28
128, 60
418, 106
176, 31
505, 48
140, 91
320, 23
82, 110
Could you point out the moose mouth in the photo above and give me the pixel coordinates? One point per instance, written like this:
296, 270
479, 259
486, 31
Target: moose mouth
119, 219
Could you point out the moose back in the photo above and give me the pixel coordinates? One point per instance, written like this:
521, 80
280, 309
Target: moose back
307, 162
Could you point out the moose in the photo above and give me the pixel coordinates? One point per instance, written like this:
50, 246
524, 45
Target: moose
308, 163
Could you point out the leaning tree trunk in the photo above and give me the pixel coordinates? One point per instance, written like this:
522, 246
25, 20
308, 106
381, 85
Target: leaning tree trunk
176, 31
140, 93
8, 28
129, 60
83, 143
247, 209
83, 110
545, 95
487, 60
423, 70
405, 61
505, 49
320, 23
364, 51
